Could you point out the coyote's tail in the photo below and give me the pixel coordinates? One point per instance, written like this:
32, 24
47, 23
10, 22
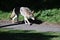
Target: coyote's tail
12, 14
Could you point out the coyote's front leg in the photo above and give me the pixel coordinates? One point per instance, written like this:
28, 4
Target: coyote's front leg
26, 21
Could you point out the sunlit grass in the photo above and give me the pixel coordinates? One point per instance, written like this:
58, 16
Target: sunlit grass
4, 15
50, 15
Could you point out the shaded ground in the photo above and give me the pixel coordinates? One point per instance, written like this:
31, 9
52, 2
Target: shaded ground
26, 36
37, 25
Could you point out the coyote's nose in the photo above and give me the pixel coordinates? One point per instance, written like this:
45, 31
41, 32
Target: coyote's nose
33, 18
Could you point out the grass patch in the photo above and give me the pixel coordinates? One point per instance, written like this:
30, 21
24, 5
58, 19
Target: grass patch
28, 35
16, 31
50, 15
4, 15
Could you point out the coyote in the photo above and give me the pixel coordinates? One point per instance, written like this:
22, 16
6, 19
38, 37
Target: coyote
25, 12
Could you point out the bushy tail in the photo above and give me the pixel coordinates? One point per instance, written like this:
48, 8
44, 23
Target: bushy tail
12, 14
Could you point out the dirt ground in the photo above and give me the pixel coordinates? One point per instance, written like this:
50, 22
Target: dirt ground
2, 22
37, 25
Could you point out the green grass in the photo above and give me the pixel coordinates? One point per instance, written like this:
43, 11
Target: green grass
16, 31
50, 15
28, 34
6, 16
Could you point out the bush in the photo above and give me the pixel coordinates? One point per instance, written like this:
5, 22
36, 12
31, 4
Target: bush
50, 15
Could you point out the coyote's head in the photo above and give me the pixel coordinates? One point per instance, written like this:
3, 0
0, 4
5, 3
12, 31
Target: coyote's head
32, 15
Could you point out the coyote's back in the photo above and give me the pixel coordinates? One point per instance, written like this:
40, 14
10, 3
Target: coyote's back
25, 11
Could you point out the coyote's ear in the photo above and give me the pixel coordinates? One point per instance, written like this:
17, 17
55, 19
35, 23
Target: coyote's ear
33, 11
14, 9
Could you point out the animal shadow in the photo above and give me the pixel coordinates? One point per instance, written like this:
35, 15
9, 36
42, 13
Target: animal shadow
22, 22
36, 21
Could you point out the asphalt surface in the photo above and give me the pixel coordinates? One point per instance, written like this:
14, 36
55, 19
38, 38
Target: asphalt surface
42, 27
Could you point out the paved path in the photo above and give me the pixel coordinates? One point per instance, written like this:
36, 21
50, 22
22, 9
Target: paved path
43, 27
